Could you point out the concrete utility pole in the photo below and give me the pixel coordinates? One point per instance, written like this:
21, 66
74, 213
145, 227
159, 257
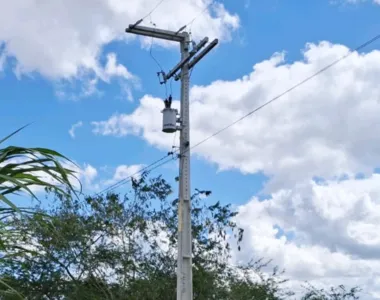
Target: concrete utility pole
188, 61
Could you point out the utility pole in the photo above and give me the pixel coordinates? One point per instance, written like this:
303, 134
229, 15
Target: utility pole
188, 60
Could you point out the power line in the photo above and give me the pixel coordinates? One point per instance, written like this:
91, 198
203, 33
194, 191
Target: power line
377, 37
129, 178
198, 15
126, 180
157, 5
152, 56
289, 90
161, 72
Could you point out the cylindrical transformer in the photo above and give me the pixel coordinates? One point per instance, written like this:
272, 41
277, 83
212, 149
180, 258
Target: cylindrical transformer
169, 120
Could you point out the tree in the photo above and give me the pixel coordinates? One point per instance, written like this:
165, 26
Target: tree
334, 293
124, 248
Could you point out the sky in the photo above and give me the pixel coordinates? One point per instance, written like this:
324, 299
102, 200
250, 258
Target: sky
302, 172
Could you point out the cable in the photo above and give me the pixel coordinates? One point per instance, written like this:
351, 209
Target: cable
171, 86
160, 67
151, 53
191, 72
174, 143
156, 61
198, 15
263, 105
145, 169
288, 90
157, 5
129, 178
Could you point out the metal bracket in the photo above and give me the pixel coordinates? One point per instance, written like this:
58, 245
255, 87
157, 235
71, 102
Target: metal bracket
198, 47
156, 33
199, 57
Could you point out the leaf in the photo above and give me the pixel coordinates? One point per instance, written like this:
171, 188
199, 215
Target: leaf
17, 183
8, 202
14, 132
12, 290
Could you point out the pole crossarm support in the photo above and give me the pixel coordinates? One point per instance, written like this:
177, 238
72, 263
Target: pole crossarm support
198, 47
199, 56
156, 33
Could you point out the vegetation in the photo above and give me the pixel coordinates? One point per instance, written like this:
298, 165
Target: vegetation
20, 169
119, 247
123, 248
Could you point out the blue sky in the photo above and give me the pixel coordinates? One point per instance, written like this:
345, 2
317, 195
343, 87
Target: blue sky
266, 27
280, 161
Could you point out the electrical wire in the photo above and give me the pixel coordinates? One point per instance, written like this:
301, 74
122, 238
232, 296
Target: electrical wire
129, 178
198, 15
154, 9
156, 60
377, 37
191, 72
151, 51
174, 139
171, 86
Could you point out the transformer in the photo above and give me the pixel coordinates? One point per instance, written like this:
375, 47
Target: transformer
169, 120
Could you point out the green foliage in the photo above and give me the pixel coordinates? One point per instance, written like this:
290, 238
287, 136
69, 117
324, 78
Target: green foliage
335, 293
21, 168
124, 248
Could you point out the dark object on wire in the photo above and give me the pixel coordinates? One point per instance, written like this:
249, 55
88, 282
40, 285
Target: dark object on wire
168, 102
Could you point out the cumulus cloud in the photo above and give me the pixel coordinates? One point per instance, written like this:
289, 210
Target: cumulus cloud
92, 181
123, 172
83, 177
361, 1
147, 115
88, 174
319, 221
65, 39
74, 127
318, 231
2, 57
87, 84
326, 128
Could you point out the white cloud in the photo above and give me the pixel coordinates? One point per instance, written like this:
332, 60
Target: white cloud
360, 1
88, 83
88, 174
113, 69
325, 128
329, 231
74, 127
65, 39
3, 57
147, 114
84, 175
123, 172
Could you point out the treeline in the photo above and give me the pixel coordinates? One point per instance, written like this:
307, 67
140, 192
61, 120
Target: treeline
123, 247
